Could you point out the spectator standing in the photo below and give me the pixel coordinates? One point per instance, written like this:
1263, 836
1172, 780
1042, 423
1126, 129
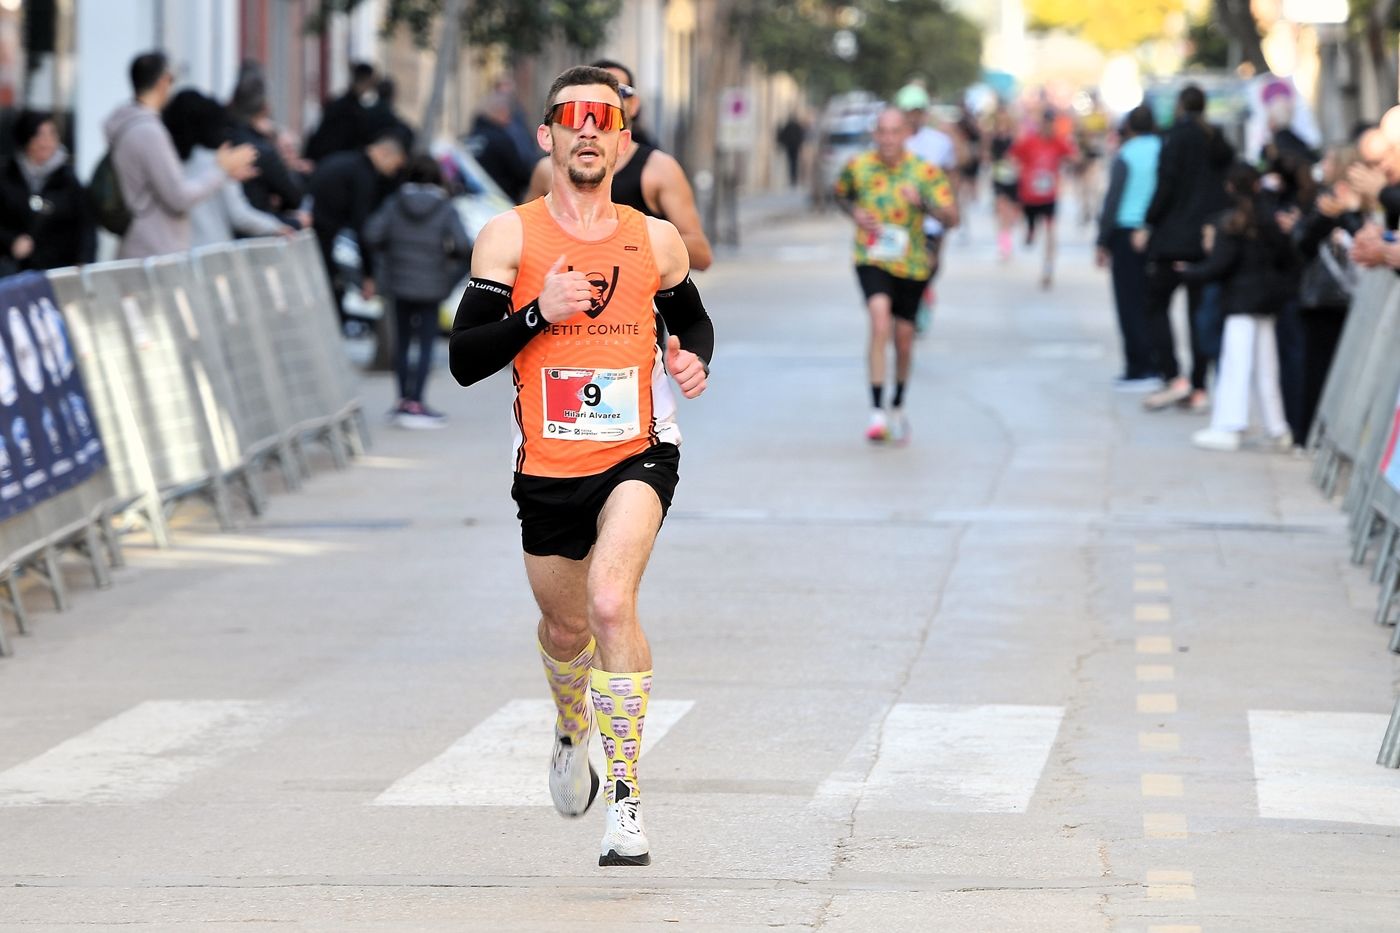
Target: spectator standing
44, 222
384, 120
791, 135
153, 182
345, 189
198, 126
277, 189
1131, 183
345, 121
1248, 256
1323, 238
1190, 190
491, 144
420, 244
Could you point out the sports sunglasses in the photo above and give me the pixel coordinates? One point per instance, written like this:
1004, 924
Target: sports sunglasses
573, 114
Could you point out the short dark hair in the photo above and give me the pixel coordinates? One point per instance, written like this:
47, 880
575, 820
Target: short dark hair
579, 75
1141, 121
616, 66
147, 69
26, 126
1192, 99
423, 169
194, 120
361, 72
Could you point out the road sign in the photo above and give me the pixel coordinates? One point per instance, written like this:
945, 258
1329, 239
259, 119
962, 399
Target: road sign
738, 120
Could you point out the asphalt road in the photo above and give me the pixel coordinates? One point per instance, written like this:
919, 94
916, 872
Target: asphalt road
1046, 668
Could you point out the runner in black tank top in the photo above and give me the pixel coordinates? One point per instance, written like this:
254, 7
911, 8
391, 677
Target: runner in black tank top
627, 183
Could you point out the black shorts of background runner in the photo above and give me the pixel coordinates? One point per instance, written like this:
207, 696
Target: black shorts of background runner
1009, 190
559, 515
1037, 212
904, 293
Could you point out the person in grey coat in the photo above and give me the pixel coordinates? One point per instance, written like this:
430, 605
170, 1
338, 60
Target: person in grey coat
152, 180
421, 247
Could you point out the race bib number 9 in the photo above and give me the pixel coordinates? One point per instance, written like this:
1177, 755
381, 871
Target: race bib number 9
591, 404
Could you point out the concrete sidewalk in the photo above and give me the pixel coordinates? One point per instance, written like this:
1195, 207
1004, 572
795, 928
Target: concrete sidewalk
1048, 668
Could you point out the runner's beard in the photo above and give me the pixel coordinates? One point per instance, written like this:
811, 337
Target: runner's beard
586, 180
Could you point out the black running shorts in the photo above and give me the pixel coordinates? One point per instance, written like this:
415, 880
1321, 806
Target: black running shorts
559, 516
1037, 212
904, 293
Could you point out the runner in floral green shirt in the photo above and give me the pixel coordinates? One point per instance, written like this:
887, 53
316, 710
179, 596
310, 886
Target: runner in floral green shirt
888, 192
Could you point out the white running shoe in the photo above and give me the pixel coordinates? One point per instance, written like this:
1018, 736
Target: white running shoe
572, 781
624, 837
879, 429
899, 427
1212, 439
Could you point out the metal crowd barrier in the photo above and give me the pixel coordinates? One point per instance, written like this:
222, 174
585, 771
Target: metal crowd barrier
201, 371
1354, 433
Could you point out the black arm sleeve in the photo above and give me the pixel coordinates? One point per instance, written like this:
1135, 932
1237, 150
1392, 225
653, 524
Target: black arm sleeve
685, 316
485, 335
1108, 217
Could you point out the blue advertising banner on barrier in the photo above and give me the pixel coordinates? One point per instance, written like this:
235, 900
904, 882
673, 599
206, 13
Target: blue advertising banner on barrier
48, 439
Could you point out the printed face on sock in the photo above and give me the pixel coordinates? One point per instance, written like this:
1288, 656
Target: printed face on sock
619, 769
633, 705
621, 726
563, 679
641, 724
629, 749
570, 724
646, 684
620, 685
579, 708
603, 703
609, 747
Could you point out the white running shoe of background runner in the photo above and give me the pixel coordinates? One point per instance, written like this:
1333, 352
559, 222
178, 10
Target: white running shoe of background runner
572, 781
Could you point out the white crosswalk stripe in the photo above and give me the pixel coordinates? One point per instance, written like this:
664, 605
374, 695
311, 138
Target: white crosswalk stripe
1321, 766
140, 755
937, 757
504, 760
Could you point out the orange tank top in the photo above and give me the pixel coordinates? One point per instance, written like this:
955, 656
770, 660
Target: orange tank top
590, 391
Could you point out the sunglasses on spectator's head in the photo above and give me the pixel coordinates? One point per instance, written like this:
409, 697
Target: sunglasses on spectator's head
626, 90
574, 113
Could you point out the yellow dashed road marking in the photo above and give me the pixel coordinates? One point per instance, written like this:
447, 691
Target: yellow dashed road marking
1155, 673
1156, 703
1164, 825
1162, 785
1152, 612
1154, 644
1159, 742
1171, 886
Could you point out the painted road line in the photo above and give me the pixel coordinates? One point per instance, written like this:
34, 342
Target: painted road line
1149, 570
1321, 766
504, 760
1159, 742
1171, 886
1147, 548
1164, 825
1156, 703
1149, 585
1174, 928
1162, 785
947, 758
1154, 644
1152, 612
142, 754
1155, 673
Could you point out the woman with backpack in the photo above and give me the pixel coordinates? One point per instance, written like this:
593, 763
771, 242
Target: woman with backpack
420, 247
1250, 257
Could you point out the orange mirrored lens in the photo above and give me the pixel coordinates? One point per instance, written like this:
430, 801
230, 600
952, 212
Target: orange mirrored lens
574, 113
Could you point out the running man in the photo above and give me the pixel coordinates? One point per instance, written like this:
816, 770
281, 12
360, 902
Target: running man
889, 191
561, 292
646, 178
1041, 155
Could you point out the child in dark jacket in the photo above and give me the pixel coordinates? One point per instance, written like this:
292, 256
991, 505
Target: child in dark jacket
419, 243
1250, 257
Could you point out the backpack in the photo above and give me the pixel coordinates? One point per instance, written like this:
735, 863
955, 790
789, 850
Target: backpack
105, 193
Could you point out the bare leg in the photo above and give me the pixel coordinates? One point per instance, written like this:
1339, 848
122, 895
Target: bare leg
1048, 273
560, 588
880, 317
627, 530
904, 332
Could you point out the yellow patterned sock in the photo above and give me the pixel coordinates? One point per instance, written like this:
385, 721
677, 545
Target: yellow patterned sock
620, 703
568, 681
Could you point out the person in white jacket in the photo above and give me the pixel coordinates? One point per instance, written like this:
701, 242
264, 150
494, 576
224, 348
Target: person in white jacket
198, 125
